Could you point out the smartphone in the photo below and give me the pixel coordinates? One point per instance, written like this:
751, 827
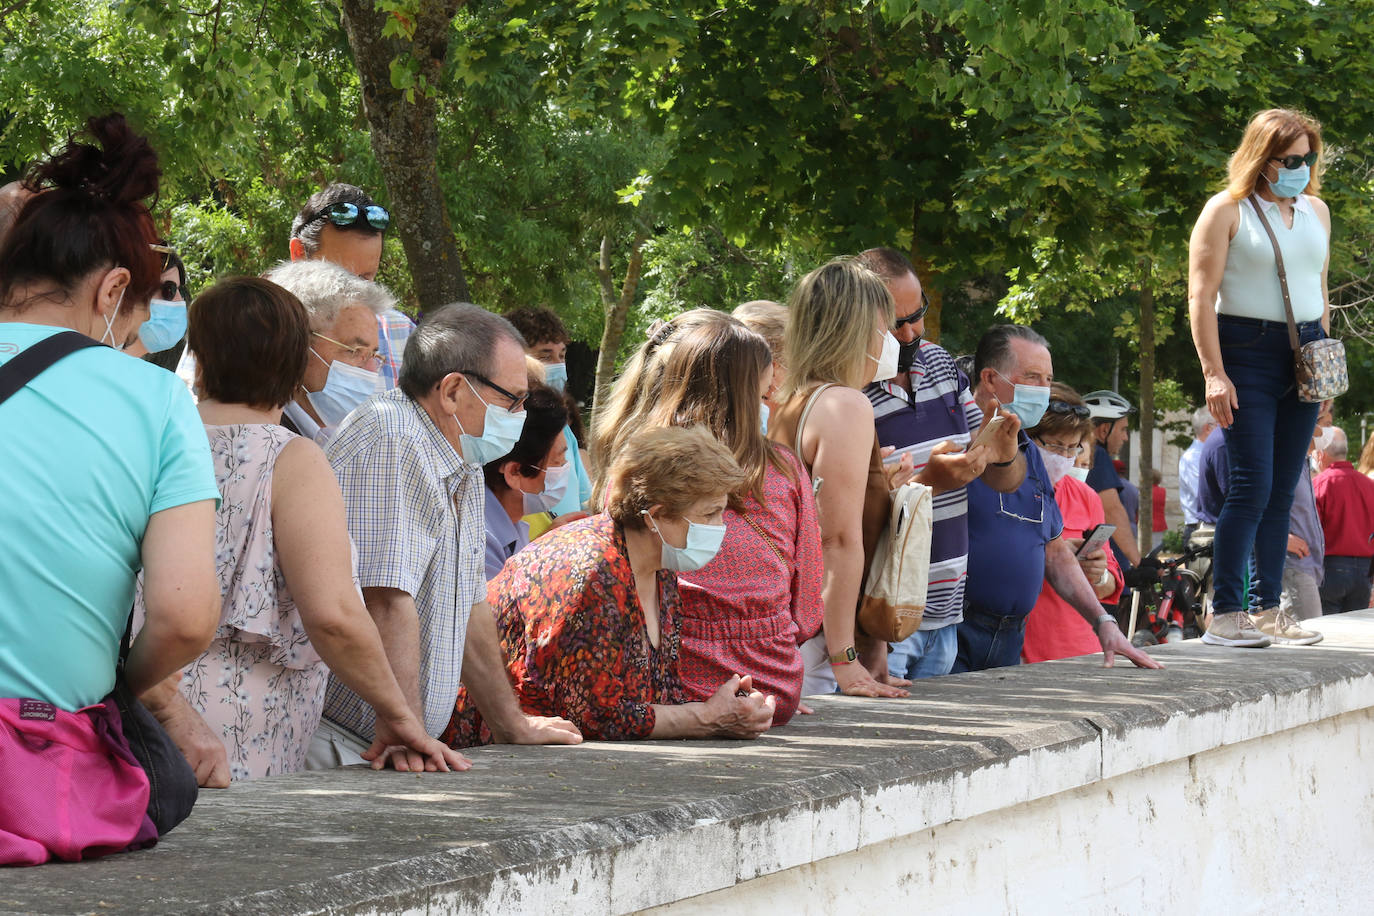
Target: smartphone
985, 433
1095, 539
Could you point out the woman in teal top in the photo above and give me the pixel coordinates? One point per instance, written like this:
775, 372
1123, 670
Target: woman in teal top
104, 466
1240, 328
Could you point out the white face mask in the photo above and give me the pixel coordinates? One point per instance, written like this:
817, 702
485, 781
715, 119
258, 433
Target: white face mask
1324, 436
1056, 465
887, 361
555, 488
703, 543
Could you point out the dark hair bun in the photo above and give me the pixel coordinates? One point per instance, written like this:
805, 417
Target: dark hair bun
121, 170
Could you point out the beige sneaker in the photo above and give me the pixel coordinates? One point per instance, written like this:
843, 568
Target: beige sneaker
1234, 629
1280, 627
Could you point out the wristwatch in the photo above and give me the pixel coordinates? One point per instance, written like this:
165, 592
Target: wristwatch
1097, 624
845, 657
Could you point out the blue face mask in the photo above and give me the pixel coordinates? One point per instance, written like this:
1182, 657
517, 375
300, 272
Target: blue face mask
763, 418
703, 543
556, 376
1291, 182
166, 325
1028, 402
344, 389
500, 431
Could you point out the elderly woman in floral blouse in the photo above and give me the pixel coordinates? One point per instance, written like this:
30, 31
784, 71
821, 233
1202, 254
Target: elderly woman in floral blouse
589, 614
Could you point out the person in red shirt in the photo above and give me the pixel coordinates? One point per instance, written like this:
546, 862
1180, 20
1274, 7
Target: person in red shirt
1064, 436
1345, 504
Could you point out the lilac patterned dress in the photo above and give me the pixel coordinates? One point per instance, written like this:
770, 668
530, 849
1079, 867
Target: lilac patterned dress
260, 685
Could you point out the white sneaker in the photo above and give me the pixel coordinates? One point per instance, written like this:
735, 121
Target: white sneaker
1236, 630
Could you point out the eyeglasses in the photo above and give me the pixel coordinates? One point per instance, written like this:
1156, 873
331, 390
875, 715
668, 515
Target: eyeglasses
914, 316
171, 290
1078, 410
517, 401
347, 214
1002, 509
368, 356
1068, 451
1295, 161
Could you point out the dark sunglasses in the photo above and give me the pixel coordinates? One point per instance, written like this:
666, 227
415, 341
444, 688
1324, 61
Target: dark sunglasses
1078, 410
346, 214
171, 290
916, 315
1295, 161
517, 401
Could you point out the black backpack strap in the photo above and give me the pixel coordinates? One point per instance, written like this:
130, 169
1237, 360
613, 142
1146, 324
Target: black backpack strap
29, 364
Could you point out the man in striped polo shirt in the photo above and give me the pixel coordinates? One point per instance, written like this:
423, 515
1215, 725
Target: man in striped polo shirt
928, 412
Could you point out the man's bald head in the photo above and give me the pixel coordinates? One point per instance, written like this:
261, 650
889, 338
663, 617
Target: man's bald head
13, 196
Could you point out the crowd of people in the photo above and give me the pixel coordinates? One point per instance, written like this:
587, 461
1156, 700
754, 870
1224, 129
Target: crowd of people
350, 538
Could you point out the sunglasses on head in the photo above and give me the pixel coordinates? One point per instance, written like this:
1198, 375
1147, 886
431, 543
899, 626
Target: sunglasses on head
1079, 410
347, 214
916, 315
1295, 161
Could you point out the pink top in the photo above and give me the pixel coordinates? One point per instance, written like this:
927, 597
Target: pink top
1054, 629
749, 610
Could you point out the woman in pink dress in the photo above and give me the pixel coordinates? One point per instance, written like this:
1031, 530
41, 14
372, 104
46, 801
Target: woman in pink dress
748, 611
1065, 439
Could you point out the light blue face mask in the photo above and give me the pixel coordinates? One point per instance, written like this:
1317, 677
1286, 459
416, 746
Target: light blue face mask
556, 375
1028, 402
166, 325
500, 431
344, 389
763, 418
1291, 182
703, 543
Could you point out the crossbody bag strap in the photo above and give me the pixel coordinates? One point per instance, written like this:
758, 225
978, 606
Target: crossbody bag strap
758, 529
31, 363
1283, 275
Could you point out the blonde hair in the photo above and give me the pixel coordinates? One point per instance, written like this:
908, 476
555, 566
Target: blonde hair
535, 370
1268, 134
1366, 462
766, 318
671, 466
834, 311
624, 399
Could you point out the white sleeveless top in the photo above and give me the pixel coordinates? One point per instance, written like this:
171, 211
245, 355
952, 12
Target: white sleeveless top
1250, 284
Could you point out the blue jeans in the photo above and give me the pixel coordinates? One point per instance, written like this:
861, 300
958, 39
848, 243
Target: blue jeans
925, 653
988, 641
1266, 446
1345, 585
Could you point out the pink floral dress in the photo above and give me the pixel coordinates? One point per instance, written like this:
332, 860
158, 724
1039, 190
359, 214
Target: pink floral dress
260, 685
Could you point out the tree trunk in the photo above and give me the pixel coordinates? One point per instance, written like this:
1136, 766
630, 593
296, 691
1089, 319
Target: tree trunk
1145, 464
617, 310
926, 274
405, 138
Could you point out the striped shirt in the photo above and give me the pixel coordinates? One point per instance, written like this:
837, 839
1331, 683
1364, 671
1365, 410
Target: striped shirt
415, 511
393, 330
940, 407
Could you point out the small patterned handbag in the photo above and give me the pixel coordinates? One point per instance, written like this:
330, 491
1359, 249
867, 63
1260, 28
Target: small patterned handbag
1320, 365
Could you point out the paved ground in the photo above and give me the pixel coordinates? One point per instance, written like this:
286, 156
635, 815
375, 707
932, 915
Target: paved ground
347, 840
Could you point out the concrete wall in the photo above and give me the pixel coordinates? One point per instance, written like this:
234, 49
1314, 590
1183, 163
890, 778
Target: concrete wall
1233, 780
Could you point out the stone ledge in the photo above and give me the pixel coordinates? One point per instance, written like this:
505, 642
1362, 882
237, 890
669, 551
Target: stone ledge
619, 827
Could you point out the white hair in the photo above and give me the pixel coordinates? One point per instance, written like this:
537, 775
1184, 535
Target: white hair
1338, 449
325, 289
1202, 418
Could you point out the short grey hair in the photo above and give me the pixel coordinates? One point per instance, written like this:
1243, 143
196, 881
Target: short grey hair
453, 338
325, 289
1202, 418
994, 349
1339, 449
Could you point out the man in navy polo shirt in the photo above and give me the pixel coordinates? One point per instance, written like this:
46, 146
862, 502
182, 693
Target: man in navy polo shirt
1014, 538
927, 411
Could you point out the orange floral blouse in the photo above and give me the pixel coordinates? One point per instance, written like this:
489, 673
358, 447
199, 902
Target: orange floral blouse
572, 631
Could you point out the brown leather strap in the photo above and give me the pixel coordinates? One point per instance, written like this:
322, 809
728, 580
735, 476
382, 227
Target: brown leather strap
1283, 275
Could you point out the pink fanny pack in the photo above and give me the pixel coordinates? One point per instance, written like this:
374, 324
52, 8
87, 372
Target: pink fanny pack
70, 788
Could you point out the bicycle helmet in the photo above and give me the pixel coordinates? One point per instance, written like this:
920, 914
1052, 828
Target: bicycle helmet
1107, 405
